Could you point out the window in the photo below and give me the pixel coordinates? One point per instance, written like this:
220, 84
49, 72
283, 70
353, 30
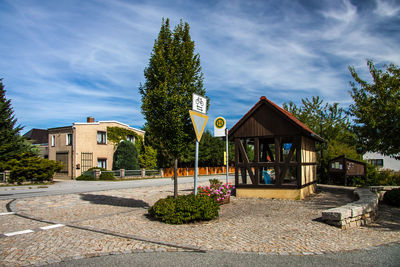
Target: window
376, 162
130, 138
69, 139
101, 138
53, 140
86, 161
102, 163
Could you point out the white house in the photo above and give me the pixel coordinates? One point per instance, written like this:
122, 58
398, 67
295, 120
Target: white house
382, 162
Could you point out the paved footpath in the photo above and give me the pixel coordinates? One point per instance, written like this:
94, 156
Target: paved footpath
52, 229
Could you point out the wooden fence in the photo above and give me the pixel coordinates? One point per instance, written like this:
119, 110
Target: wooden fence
169, 172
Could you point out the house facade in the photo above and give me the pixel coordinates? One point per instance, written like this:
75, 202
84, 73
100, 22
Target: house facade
82, 146
382, 162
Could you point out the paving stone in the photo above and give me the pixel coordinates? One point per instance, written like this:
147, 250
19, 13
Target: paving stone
273, 227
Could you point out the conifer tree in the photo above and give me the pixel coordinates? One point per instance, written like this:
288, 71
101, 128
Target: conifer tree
11, 143
172, 76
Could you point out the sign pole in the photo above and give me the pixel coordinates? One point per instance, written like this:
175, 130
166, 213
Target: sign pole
196, 167
227, 156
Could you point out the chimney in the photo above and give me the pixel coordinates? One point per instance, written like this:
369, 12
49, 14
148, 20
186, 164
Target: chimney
90, 119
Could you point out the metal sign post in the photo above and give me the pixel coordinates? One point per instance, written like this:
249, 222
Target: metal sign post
227, 156
199, 121
220, 130
196, 167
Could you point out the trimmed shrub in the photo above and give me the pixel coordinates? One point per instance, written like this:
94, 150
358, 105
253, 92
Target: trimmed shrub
89, 175
107, 176
184, 209
85, 177
125, 157
28, 167
392, 197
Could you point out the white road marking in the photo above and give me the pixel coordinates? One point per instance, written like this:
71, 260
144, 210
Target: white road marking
7, 213
51, 226
19, 232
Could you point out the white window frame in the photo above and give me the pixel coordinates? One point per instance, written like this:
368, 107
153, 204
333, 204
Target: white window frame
100, 162
66, 139
101, 140
53, 140
131, 138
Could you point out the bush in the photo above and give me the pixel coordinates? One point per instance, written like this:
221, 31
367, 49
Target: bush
28, 167
184, 209
125, 157
88, 175
85, 177
107, 176
392, 197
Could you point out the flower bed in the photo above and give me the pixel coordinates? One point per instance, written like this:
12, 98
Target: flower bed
217, 191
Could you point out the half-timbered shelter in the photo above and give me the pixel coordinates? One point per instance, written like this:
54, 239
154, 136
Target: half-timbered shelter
275, 154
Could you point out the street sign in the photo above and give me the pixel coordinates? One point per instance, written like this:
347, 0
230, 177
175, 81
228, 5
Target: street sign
199, 121
219, 127
199, 103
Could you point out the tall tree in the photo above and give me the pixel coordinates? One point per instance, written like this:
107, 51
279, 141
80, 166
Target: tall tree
376, 110
332, 123
11, 143
173, 74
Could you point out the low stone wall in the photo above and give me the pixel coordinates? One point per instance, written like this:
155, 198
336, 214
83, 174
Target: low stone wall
380, 190
361, 212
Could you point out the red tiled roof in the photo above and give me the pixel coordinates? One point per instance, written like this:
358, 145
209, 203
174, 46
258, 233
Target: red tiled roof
286, 113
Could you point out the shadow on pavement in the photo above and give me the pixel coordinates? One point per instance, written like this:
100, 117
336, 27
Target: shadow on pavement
114, 201
388, 218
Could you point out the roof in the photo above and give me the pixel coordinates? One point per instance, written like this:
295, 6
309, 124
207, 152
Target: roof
117, 122
289, 116
38, 136
348, 159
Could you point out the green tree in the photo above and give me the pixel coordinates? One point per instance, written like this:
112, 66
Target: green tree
148, 159
172, 76
376, 110
332, 123
11, 143
125, 157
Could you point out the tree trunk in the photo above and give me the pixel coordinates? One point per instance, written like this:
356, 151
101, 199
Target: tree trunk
176, 178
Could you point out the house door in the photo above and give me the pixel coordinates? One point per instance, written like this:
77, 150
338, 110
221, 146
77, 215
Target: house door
63, 158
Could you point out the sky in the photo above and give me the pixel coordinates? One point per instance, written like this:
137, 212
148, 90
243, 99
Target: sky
62, 61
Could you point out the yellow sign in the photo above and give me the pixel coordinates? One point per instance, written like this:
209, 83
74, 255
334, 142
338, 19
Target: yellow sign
224, 157
219, 122
199, 121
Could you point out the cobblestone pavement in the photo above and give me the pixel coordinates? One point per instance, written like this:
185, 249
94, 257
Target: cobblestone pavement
113, 222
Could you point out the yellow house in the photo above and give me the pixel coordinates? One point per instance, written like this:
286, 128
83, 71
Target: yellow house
84, 145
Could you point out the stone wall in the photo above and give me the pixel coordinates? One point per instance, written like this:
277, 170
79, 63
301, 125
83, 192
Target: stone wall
361, 212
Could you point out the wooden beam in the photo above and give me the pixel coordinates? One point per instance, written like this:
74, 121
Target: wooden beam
288, 159
277, 160
298, 159
257, 159
246, 161
271, 155
236, 162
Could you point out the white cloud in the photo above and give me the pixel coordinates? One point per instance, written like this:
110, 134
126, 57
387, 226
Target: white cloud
386, 8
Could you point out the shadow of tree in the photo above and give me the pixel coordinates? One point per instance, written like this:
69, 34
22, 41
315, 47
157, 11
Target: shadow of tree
325, 200
388, 218
114, 201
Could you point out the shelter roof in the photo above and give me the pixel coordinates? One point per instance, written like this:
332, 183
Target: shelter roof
286, 115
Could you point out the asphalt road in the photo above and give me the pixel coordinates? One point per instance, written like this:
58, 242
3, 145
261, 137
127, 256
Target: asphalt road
73, 186
388, 255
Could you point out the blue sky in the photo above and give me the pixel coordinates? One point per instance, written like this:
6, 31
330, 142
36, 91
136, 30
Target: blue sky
62, 61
